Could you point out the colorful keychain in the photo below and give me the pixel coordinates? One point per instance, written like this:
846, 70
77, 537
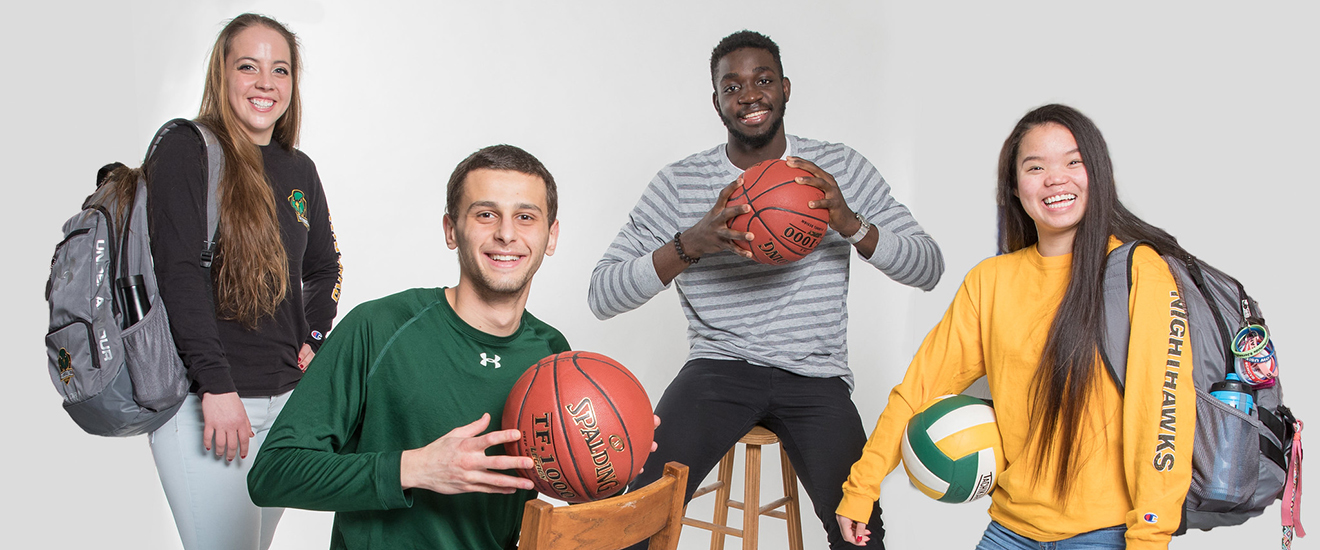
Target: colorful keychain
1257, 363
1292, 492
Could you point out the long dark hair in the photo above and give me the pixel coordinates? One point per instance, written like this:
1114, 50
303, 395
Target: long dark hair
1068, 365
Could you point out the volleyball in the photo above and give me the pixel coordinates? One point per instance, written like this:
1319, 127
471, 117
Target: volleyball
952, 450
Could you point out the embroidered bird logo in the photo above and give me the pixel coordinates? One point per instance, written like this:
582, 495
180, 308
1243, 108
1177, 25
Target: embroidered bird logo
298, 201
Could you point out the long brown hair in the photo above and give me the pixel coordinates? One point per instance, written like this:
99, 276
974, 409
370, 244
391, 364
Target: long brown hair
252, 269
1068, 365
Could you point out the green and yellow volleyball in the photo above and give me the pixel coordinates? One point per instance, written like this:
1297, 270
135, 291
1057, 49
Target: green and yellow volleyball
952, 450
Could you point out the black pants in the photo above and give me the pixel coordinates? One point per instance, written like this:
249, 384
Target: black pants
712, 403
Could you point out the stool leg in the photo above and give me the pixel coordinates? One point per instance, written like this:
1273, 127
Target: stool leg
752, 498
794, 517
722, 498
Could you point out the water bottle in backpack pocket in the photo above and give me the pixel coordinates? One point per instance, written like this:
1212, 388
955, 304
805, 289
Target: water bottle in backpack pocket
1230, 475
149, 342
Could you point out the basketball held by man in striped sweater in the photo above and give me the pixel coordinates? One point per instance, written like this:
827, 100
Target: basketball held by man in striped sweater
784, 229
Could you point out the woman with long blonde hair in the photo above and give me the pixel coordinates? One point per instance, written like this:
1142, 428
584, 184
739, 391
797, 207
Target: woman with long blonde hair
247, 325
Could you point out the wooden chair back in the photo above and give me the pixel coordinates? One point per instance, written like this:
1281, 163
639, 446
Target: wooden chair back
654, 511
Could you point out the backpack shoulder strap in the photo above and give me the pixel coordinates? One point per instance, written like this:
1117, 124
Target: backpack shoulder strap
215, 162
1117, 325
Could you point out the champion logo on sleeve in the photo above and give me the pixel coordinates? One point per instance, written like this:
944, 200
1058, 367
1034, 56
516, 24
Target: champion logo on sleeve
1150, 518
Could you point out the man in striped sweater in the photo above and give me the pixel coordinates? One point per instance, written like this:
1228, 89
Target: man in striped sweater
768, 343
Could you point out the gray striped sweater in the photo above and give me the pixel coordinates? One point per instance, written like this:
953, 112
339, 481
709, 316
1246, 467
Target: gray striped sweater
794, 316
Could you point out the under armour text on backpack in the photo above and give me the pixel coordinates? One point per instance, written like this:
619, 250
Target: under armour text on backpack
116, 380
1257, 444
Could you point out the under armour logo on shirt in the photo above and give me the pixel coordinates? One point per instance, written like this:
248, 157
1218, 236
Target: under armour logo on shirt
487, 360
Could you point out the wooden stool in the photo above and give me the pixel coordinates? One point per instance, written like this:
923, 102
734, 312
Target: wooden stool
754, 439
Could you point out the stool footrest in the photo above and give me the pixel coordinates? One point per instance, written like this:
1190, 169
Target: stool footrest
751, 507
712, 527
707, 489
768, 509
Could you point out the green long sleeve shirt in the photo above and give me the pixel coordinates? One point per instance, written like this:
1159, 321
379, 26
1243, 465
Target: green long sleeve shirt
396, 374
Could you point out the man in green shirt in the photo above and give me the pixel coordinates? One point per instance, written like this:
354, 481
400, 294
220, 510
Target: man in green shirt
386, 427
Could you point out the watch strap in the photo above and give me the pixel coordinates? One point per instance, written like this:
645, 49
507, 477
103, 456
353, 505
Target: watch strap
861, 232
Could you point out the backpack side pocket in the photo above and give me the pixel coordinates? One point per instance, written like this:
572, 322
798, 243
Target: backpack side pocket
160, 380
1225, 457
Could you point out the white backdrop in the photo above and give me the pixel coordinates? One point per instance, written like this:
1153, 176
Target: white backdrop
1209, 113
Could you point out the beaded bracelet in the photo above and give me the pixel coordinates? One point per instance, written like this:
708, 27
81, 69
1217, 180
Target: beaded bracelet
678, 245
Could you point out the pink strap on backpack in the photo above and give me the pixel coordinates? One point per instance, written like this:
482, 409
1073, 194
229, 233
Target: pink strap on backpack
1292, 492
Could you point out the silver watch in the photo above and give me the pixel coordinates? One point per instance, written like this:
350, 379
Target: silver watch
861, 233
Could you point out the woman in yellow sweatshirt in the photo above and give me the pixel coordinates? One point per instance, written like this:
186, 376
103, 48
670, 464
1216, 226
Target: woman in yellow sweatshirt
1087, 467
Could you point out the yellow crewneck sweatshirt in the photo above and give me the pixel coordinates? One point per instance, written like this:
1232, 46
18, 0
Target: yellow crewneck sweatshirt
1134, 466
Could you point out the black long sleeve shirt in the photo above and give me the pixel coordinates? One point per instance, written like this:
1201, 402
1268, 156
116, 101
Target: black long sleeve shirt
223, 355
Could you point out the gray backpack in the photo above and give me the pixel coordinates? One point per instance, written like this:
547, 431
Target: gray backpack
1239, 461
118, 381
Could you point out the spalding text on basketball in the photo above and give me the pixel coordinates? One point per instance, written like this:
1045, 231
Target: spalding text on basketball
768, 248
585, 417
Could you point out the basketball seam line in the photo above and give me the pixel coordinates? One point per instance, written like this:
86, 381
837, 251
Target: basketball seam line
632, 460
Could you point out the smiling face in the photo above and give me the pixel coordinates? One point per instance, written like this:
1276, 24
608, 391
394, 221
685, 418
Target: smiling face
1052, 184
259, 80
501, 231
750, 96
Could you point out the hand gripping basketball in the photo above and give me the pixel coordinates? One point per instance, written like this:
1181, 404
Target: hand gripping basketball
457, 463
712, 233
841, 217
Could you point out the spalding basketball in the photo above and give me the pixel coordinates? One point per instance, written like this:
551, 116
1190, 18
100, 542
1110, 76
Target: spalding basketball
952, 450
586, 423
785, 229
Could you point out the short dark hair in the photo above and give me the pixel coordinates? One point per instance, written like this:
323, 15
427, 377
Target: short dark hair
744, 39
501, 157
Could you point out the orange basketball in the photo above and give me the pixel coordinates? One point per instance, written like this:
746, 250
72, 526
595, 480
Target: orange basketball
784, 228
585, 422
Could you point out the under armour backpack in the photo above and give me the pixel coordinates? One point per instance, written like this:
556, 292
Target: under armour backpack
1257, 445
116, 380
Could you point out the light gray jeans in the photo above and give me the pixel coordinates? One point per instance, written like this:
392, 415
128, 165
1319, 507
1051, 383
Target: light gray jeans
208, 495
